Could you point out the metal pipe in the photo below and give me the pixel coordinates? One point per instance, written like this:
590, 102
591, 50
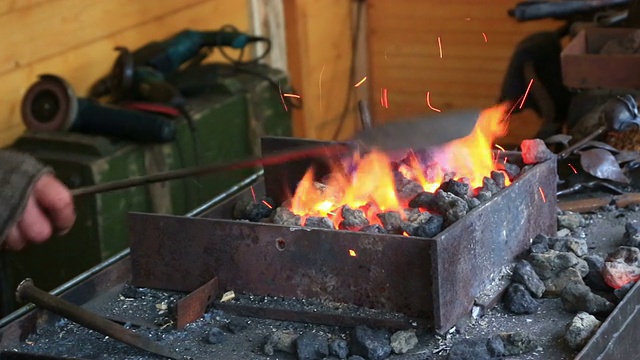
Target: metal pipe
28, 292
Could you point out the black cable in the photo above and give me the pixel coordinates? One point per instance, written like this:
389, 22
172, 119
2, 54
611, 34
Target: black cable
352, 70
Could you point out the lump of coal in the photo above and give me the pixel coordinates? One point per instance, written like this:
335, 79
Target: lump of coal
483, 195
594, 278
631, 235
557, 283
311, 346
425, 200
370, 344
499, 178
391, 221
524, 274
552, 262
518, 300
131, 292
253, 210
578, 297
284, 216
453, 207
280, 341
319, 222
490, 185
472, 202
627, 254
457, 188
403, 341
416, 216
512, 170
467, 349
215, 336
339, 348
409, 190
374, 229
618, 274
571, 220
495, 345
622, 292
535, 151
569, 244
354, 219
517, 343
236, 325
430, 228
580, 330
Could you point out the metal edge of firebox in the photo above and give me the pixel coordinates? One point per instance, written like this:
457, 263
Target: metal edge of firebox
16, 326
616, 336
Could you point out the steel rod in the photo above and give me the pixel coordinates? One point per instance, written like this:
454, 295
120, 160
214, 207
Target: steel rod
566, 152
28, 292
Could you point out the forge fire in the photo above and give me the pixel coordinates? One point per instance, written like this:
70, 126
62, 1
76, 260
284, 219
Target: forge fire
417, 193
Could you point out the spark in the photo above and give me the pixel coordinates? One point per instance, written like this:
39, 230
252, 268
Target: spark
514, 106
429, 103
384, 98
266, 203
361, 82
253, 193
440, 46
544, 198
573, 168
524, 98
282, 98
500, 147
484, 35
352, 253
405, 233
292, 96
468, 19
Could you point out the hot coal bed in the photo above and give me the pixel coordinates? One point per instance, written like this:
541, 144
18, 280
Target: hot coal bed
348, 290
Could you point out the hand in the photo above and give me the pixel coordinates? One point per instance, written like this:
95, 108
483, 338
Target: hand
49, 209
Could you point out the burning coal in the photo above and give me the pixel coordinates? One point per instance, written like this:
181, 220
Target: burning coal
418, 194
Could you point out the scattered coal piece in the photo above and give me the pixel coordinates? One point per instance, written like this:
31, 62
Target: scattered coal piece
424, 200
472, 202
453, 207
538, 248
495, 345
457, 188
571, 220
354, 219
430, 228
622, 292
253, 210
284, 216
339, 348
280, 341
374, 229
524, 274
215, 336
618, 274
391, 221
131, 292
535, 151
552, 262
569, 244
499, 178
578, 297
594, 278
512, 170
370, 344
490, 185
631, 235
517, 343
627, 254
311, 346
483, 195
235, 326
403, 341
580, 330
519, 301
319, 222
554, 285
468, 349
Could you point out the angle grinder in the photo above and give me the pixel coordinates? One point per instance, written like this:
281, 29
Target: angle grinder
51, 104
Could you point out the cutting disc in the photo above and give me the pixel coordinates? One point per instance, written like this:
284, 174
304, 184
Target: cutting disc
49, 105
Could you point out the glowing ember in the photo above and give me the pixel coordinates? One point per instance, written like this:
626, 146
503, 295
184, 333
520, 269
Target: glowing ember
485, 37
371, 187
440, 46
352, 253
573, 169
361, 82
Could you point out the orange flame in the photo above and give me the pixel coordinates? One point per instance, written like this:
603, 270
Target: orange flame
371, 188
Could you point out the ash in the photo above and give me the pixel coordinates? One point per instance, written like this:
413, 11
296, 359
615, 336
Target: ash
221, 335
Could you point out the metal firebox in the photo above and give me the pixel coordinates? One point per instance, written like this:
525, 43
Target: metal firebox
436, 280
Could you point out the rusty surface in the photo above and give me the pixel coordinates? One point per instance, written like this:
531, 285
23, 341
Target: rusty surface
489, 237
313, 317
389, 272
617, 337
194, 305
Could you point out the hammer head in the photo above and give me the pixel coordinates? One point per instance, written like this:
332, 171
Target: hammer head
621, 113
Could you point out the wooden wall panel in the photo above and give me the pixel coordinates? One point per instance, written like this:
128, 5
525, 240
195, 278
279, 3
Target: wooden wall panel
404, 56
75, 39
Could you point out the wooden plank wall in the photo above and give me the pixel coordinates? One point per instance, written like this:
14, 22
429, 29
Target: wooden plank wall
75, 39
404, 55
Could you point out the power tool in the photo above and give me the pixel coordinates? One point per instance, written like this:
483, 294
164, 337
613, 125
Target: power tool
51, 104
